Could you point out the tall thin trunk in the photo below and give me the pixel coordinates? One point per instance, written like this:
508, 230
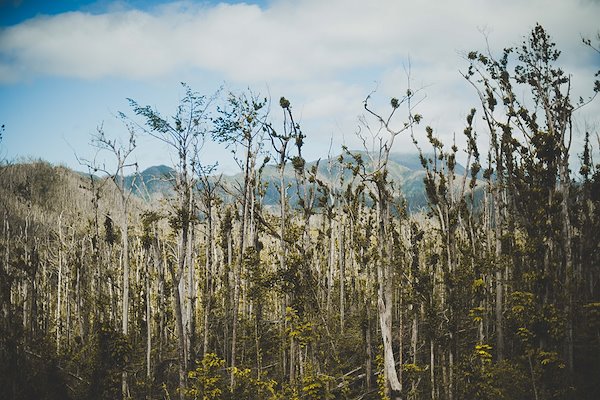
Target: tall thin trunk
257, 323
414, 337
342, 275
148, 321
385, 296
59, 288
369, 360
292, 361
238, 264
160, 265
567, 240
125, 259
179, 284
330, 264
125, 255
498, 221
208, 276
400, 337
79, 281
191, 296
432, 368
450, 373
183, 262
180, 330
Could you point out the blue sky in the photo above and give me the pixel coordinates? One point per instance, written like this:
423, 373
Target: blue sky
16, 11
67, 67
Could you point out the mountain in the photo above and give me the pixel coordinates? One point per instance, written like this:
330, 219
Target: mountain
404, 169
153, 182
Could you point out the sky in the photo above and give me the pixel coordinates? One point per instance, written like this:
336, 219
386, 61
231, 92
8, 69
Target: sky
68, 67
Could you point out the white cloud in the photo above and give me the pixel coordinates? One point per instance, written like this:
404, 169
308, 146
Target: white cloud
288, 40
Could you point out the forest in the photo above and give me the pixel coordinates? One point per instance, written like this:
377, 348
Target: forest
315, 280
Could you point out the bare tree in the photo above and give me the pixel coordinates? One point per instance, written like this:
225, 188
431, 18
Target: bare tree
185, 132
374, 174
241, 124
121, 153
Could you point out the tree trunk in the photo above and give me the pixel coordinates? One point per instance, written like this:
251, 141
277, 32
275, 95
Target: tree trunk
498, 221
330, 265
384, 298
148, 322
208, 277
180, 331
567, 243
125, 258
400, 337
342, 275
432, 368
191, 297
240, 256
369, 361
59, 288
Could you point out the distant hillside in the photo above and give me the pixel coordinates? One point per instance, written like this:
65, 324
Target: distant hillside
153, 182
404, 169
46, 193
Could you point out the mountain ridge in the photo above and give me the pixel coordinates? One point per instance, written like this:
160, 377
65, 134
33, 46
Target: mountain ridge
404, 169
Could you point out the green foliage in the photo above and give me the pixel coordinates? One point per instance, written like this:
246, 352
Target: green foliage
240, 119
111, 353
298, 329
381, 382
479, 375
208, 380
413, 375
485, 380
248, 387
477, 314
149, 220
190, 114
315, 385
284, 103
31, 374
592, 311
112, 234
298, 163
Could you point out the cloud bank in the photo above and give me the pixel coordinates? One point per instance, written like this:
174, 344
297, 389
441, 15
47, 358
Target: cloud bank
288, 40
